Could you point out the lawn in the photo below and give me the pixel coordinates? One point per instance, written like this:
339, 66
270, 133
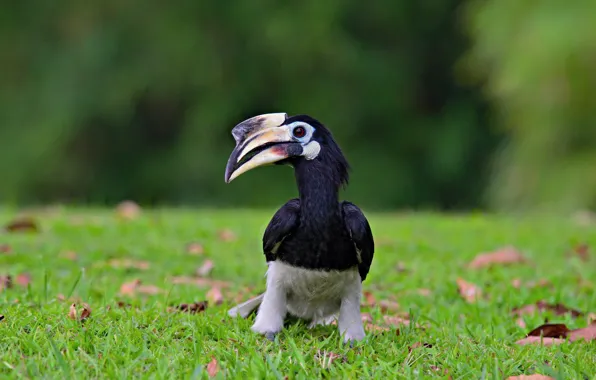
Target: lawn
135, 330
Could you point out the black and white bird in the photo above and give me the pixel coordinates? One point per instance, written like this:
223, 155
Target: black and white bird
318, 250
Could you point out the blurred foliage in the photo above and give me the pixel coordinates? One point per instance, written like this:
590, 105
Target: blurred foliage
538, 60
102, 101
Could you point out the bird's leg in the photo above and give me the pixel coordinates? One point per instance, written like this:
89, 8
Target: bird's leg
273, 309
350, 321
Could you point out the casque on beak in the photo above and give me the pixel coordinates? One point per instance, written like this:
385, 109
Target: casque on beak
259, 141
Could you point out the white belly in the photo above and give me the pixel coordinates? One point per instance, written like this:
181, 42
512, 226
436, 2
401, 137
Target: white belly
313, 294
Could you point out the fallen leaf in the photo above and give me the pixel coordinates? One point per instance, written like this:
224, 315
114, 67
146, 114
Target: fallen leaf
470, 292
5, 248
215, 296
418, 345
366, 317
69, 255
199, 281
401, 267
520, 322
123, 305
550, 330
5, 282
369, 299
226, 235
212, 368
23, 279
592, 317
586, 333
530, 377
22, 225
396, 320
205, 268
128, 264
502, 256
539, 340
516, 283
61, 297
1, 317
388, 305
195, 249
72, 313
192, 308
86, 312
375, 328
542, 306
583, 252
136, 287
128, 210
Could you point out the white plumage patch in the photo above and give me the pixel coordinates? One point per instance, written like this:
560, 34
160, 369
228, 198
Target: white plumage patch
311, 150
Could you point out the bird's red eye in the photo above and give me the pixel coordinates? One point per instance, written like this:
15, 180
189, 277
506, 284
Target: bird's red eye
299, 132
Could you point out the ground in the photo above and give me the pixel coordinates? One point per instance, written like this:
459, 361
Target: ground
81, 256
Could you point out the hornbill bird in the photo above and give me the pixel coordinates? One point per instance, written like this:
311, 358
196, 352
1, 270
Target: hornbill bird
318, 249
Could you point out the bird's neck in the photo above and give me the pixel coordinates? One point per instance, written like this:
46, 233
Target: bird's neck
318, 192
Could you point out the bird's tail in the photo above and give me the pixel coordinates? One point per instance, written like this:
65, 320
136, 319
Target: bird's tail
247, 307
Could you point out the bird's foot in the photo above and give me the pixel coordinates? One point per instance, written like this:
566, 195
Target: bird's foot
270, 336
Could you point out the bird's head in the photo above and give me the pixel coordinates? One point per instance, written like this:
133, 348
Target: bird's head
276, 138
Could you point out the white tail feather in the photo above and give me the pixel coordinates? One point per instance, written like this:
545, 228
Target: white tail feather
244, 309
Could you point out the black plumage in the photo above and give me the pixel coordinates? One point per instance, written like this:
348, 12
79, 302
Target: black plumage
316, 231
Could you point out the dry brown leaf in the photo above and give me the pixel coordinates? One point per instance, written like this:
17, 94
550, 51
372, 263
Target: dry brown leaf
128, 210
5, 248
23, 224
129, 264
192, 308
470, 292
212, 367
550, 330
86, 312
418, 345
583, 252
61, 297
388, 305
23, 279
369, 299
375, 328
1, 317
520, 322
195, 249
199, 281
366, 317
5, 282
136, 287
205, 268
592, 318
530, 377
542, 306
72, 313
502, 256
69, 255
215, 296
396, 320
401, 267
129, 288
586, 333
539, 340
226, 235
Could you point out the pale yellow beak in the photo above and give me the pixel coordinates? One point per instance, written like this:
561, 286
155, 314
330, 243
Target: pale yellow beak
259, 141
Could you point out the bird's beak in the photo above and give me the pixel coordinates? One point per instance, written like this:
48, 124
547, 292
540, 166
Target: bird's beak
259, 141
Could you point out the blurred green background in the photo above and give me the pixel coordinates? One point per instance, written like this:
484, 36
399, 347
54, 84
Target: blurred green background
450, 105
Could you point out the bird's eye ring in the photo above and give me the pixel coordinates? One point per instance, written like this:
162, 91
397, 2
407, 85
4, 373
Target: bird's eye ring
299, 132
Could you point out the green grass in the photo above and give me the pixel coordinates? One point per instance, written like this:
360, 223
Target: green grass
469, 341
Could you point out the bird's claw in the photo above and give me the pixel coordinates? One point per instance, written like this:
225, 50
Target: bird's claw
270, 336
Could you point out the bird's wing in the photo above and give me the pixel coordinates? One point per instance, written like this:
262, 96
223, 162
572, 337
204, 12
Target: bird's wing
361, 235
283, 223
